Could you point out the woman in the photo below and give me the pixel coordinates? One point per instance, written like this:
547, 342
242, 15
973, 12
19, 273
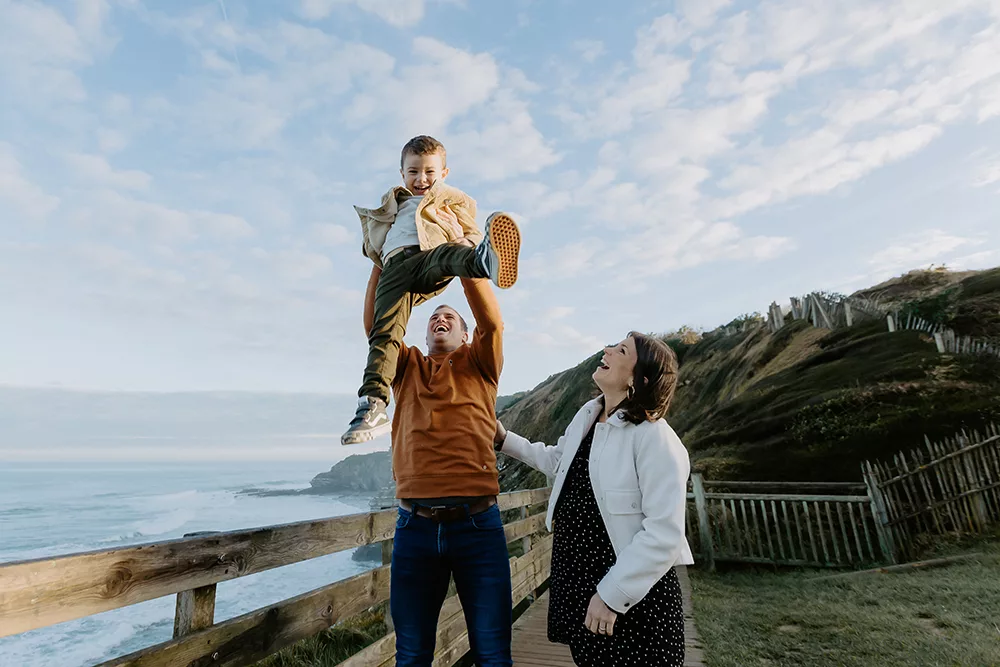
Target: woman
617, 509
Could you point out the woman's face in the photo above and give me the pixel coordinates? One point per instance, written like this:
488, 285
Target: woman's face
614, 373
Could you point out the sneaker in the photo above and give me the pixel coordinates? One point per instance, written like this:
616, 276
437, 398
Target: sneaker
499, 249
370, 421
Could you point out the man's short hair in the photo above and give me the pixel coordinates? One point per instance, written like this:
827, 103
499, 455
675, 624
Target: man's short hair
423, 145
465, 326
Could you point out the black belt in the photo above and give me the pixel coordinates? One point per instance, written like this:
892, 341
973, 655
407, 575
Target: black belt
443, 513
405, 252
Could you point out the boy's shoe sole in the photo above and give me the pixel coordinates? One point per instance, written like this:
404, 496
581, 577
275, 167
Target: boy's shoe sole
364, 435
505, 243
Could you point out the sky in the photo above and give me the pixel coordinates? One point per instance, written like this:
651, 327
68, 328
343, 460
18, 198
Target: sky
177, 179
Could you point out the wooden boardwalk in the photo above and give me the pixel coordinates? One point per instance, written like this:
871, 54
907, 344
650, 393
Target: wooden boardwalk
533, 649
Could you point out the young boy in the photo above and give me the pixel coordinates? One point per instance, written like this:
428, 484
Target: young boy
423, 234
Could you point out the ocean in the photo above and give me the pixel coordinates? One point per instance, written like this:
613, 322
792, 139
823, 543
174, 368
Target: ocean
53, 509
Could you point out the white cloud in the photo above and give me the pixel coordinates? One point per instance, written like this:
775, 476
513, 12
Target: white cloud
589, 49
424, 97
110, 211
41, 49
400, 13
298, 265
23, 195
111, 141
921, 249
332, 235
95, 169
987, 171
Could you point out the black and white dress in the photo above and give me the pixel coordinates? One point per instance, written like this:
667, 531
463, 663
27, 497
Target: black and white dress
651, 634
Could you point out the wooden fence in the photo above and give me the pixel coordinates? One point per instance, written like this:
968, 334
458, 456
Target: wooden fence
948, 486
43, 592
780, 524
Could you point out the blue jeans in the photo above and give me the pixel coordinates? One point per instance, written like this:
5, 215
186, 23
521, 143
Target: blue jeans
473, 551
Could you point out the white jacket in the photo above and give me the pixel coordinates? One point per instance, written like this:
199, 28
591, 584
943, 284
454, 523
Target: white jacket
639, 473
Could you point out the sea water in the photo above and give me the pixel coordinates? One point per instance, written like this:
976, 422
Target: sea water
53, 509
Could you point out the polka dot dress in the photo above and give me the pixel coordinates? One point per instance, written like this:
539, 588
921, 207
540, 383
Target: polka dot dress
651, 634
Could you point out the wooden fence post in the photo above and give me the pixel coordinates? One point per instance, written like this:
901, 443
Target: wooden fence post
879, 513
525, 548
195, 609
704, 530
387, 560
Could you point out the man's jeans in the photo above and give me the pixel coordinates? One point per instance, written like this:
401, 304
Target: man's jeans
473, 551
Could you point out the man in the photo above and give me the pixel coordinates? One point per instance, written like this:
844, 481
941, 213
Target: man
444, 465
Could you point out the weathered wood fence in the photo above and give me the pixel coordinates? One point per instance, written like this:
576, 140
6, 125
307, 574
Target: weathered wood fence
945, 487
781, 523
43, 592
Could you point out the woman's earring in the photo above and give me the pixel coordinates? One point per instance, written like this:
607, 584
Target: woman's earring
630, 392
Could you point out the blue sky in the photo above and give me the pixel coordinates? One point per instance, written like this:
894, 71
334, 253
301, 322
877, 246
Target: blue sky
176, 179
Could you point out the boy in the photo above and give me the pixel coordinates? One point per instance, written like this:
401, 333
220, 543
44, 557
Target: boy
423, 234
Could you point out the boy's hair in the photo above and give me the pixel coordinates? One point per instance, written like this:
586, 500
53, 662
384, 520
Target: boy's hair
423, 145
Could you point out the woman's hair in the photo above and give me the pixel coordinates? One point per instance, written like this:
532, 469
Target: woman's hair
655, 378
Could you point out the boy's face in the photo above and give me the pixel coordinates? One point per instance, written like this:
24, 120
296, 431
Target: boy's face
421, 171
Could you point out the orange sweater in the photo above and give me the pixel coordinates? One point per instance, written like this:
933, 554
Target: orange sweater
445, 420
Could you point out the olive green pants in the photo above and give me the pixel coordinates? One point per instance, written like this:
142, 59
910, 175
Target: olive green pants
409, 279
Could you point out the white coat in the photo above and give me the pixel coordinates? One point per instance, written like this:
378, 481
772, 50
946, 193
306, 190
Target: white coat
639, 473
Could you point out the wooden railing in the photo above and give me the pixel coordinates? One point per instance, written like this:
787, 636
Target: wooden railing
781, 524
43, 592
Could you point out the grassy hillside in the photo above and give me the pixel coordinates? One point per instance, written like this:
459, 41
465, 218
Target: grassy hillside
807, 403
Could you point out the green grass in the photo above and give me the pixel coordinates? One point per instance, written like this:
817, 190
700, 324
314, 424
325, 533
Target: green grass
331, 647
931, 618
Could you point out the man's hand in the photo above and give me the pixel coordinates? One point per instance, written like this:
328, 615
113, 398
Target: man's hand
500, 435
450, 222
600, 619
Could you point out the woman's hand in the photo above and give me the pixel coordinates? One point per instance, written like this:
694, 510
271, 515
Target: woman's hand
500, 435
600, 619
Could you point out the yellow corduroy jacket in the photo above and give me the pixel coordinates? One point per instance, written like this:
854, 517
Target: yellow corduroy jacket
375, 222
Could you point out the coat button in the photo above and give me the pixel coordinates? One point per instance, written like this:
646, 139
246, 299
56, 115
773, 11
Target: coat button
634, 505
627, 603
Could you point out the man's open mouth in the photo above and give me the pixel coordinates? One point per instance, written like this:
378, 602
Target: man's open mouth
440, 329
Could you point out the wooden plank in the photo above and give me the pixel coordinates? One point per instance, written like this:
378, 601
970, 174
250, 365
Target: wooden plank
515, 499
41, 592
251, 637
195, 610
854, 528
791, 497
516, 530
777, 529
756, 530
820, 486
832, 531
788, 530
881, 519
812, 537
530, 646
767, 529
822, 533
745, 527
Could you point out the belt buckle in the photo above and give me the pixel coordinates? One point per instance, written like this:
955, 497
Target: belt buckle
441, 513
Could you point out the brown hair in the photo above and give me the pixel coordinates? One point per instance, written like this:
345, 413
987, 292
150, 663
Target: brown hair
655, 379
423, 145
